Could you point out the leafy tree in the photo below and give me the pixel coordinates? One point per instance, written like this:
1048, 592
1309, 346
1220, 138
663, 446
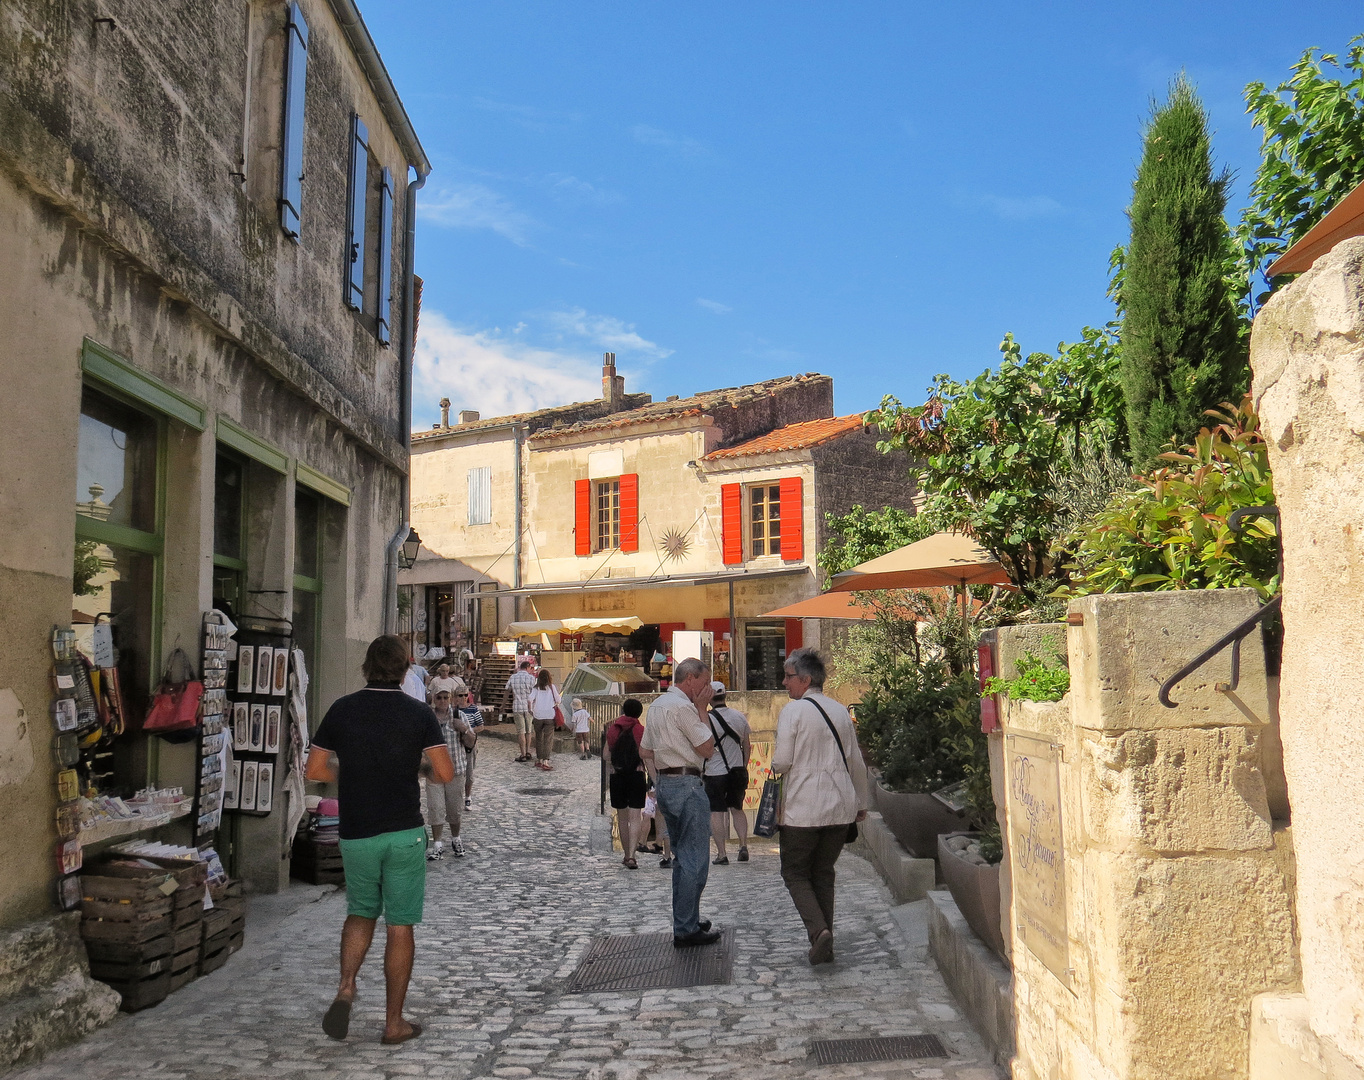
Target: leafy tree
1182, 349
1311, 152
983, 450
862, 534
85, 567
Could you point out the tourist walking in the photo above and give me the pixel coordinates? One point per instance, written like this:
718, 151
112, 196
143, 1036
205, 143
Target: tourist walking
676, 743
725, 775
445, 802
582, 728
379, 736
473, 715
544, 710
627, 781
414, 680
521, 685
824, 793
443, 680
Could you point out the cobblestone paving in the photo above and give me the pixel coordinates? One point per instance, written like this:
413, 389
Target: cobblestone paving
504, 928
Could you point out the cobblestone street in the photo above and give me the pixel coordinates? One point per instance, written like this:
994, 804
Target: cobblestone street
504, 928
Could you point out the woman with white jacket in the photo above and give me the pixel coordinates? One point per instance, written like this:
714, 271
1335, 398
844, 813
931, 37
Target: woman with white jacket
544, 701
824, 794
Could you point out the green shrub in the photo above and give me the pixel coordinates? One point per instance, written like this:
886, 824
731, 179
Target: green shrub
1036, 681
916, 722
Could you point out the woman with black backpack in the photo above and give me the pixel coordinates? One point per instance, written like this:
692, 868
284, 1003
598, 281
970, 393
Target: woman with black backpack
620, 749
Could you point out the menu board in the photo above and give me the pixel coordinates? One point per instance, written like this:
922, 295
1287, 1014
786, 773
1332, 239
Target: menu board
1036, 850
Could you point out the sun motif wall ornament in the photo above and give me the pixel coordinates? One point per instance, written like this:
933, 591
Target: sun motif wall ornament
674, 545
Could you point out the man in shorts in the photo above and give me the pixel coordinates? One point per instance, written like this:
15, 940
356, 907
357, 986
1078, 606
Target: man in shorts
725, 775
379, 736
520, 686
627, 780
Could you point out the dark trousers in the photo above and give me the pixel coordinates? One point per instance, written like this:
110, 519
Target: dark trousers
807, 866
544, 738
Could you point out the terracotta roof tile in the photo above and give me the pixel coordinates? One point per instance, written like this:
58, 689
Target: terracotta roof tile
793, 437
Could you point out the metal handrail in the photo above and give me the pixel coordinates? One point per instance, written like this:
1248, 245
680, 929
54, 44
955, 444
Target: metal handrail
1240, 631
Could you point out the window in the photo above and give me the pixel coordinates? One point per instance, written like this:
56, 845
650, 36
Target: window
481, 495
764, 520
606, 534
356, 205
229, 532
764, 655
291, 143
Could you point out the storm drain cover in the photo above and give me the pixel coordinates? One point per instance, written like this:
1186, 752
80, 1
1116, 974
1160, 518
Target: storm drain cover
890, 1048
649, 962
542, 791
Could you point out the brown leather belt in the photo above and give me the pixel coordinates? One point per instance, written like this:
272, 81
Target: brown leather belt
685, 770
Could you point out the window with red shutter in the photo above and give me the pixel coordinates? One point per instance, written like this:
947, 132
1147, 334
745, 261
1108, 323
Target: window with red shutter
629, 512
731, 524
792, 519
582, 517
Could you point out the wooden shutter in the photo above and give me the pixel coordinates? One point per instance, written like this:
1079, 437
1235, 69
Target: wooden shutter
291, 143
582, 517
731, 524
481, 495
355, 214
792, 519
384, 315
629, 512
795, 635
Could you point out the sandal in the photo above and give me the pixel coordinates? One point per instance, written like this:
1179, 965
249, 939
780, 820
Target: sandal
337, 1021
416, 1030
630, 864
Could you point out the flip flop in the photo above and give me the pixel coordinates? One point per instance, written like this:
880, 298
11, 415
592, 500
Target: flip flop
337, 1021
416, 1030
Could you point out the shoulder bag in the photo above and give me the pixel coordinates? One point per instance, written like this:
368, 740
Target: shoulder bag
175, 706
733, 770
852, 829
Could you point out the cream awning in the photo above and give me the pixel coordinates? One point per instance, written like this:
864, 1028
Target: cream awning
572, 626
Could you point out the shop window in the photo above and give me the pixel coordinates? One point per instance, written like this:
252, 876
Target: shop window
229, 532
764, 520
606, 534
117, 463
764, 655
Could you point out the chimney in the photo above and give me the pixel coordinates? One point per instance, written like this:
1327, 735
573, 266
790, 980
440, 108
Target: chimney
445, 412
468, 416
612, 385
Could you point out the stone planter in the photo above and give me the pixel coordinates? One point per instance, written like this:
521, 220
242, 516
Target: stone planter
916, 820
975, 888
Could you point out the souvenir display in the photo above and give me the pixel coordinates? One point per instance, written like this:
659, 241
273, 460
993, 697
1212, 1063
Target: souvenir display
222, 724
272, 722
257, 727
241, 725
265, 786
246, 789
265, 657
281, 676
246, 669
233, 782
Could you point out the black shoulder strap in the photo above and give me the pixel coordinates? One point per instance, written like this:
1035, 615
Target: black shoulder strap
719, 740
832, 731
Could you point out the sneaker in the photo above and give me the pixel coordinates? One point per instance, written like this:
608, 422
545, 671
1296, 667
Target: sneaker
435, 854
665, 862
743, 854
457, 848
468, 802
723, 860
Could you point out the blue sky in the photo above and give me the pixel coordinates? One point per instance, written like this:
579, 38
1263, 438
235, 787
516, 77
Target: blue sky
722, 193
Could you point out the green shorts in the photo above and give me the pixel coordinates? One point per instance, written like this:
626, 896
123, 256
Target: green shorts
386, 875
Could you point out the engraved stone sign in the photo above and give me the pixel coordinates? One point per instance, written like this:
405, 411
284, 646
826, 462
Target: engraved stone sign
1035, 849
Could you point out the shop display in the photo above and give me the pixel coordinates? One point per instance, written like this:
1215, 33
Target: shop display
257, 732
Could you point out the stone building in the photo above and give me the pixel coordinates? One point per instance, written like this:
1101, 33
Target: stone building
700, 513
206, 219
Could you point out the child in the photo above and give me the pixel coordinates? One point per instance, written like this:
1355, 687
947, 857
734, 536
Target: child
582, 726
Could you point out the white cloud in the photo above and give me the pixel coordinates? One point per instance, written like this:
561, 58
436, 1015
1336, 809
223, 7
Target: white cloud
1009, 208
570, 189
714, 306
605, 331
497, 375
528, 116
473, 206
683, 145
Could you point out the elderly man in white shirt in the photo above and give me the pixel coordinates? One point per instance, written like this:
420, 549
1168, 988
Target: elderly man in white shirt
824, 793
676, 743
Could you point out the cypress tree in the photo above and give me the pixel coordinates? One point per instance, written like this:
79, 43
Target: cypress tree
1181, 347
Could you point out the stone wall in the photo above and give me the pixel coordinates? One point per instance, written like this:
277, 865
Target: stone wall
1308, 365
1174, 906
850, 471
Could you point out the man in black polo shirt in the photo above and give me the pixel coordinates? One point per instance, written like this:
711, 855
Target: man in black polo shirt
378, 736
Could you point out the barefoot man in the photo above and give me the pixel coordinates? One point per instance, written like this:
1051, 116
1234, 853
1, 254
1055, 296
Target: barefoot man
378, 736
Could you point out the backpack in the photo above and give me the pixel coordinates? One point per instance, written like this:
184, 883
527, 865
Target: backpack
625, 751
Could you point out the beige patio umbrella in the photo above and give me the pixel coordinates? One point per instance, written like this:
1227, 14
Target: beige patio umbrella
943, 560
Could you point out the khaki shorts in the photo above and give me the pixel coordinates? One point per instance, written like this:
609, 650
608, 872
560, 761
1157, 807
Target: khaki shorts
522, 722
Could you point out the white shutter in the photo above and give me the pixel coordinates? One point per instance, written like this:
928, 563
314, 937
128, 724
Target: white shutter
481, 496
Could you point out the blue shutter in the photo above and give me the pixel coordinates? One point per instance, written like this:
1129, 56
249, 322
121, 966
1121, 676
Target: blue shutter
291, 144
355, 217
385, 312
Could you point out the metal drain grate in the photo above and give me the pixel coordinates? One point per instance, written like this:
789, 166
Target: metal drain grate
889, 1048
543, 791
649, 962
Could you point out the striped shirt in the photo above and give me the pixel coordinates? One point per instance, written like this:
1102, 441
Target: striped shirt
452, 726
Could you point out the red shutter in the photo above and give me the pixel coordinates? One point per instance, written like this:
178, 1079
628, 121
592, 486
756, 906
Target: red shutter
731, 524
582, 517
792, 520
629, 512
665, 633
795, 635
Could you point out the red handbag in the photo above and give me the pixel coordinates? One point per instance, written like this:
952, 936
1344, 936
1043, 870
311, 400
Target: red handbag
175, 705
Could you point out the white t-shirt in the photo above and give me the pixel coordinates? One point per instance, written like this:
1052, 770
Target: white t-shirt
414, 685
582, 722
542, 702
734, 751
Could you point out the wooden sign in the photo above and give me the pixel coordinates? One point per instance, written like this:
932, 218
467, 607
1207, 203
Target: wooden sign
1036, 850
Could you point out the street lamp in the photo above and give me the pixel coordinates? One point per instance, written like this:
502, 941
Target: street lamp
407, 555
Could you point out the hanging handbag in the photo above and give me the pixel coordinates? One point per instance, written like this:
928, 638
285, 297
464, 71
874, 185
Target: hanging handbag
733, 770
175, 705
852, 828
765, 823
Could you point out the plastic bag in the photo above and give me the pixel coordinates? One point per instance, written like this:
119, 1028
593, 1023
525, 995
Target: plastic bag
769, 806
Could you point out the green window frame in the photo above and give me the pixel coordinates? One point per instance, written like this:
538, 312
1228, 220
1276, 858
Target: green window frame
237, 564
312, 585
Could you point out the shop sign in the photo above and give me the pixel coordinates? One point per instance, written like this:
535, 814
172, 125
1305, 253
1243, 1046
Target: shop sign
1036, 850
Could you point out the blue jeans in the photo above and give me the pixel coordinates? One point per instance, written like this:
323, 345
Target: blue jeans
686, 810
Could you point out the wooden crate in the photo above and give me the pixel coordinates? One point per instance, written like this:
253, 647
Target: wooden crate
187, 937
125, 931
236, 941
119, 952
215, 960
230, 888
215, 921
188, 916
143, 993
130, 970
